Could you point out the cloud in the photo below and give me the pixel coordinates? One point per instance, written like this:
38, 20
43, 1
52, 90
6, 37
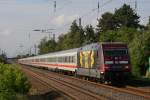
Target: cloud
5, 32
63, 19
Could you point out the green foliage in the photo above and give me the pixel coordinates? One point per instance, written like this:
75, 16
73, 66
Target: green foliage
106, 22
123, 17
12, 81
140, 52
90, 35
75, 37
135, 52
126, 17
62, 43
3, 58
124, 34
148, 74
47, 46
109, 36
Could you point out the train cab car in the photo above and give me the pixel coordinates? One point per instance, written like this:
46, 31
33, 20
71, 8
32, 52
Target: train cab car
105, 61
116, 64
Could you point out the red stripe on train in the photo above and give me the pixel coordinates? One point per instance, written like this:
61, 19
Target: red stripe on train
57, 65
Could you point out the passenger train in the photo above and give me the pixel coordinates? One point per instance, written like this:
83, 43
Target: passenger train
106, 61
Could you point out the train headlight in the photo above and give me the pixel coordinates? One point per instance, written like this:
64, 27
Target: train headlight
102, 72
127, 67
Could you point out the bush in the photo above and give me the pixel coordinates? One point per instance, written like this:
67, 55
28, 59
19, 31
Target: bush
12, 81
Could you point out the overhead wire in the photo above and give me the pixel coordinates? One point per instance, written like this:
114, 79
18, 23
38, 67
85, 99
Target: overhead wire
88, 13
58, 9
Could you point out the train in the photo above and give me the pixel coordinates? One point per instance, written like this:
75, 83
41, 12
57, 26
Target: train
105, 61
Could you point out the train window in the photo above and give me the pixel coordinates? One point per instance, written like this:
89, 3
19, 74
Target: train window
45, 60
41, 60
52, 59
72, 59
59, 59
65, 59
48, 59
68, 59
55, 59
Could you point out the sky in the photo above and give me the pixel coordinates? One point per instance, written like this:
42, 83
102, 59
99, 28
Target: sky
18, 19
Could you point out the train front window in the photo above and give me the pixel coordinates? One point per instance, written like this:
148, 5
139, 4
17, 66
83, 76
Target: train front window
115, 52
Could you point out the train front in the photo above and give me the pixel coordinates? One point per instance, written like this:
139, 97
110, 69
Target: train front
116, 61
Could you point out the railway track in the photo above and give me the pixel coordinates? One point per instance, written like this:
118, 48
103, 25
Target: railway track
37, 83
135, 89
106, 91
74, 92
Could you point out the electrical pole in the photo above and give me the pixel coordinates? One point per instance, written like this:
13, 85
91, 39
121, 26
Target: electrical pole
136, 6
98, 10
80, 21
54, 6
35, 49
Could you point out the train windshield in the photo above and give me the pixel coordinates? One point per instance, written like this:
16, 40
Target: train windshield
115, 52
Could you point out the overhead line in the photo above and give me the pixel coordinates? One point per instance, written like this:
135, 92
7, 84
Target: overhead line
60, 8
86, 14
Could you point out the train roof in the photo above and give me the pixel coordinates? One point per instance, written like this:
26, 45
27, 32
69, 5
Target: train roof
55, 53
112, 43
92, 46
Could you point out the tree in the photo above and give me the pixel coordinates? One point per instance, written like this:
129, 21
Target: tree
126, 34
148, 25
126, 17
123, 17
107, 22
47, 46
60, 42
140, 52
76, 35
109, 36
73, 39
3, 58
90, 35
